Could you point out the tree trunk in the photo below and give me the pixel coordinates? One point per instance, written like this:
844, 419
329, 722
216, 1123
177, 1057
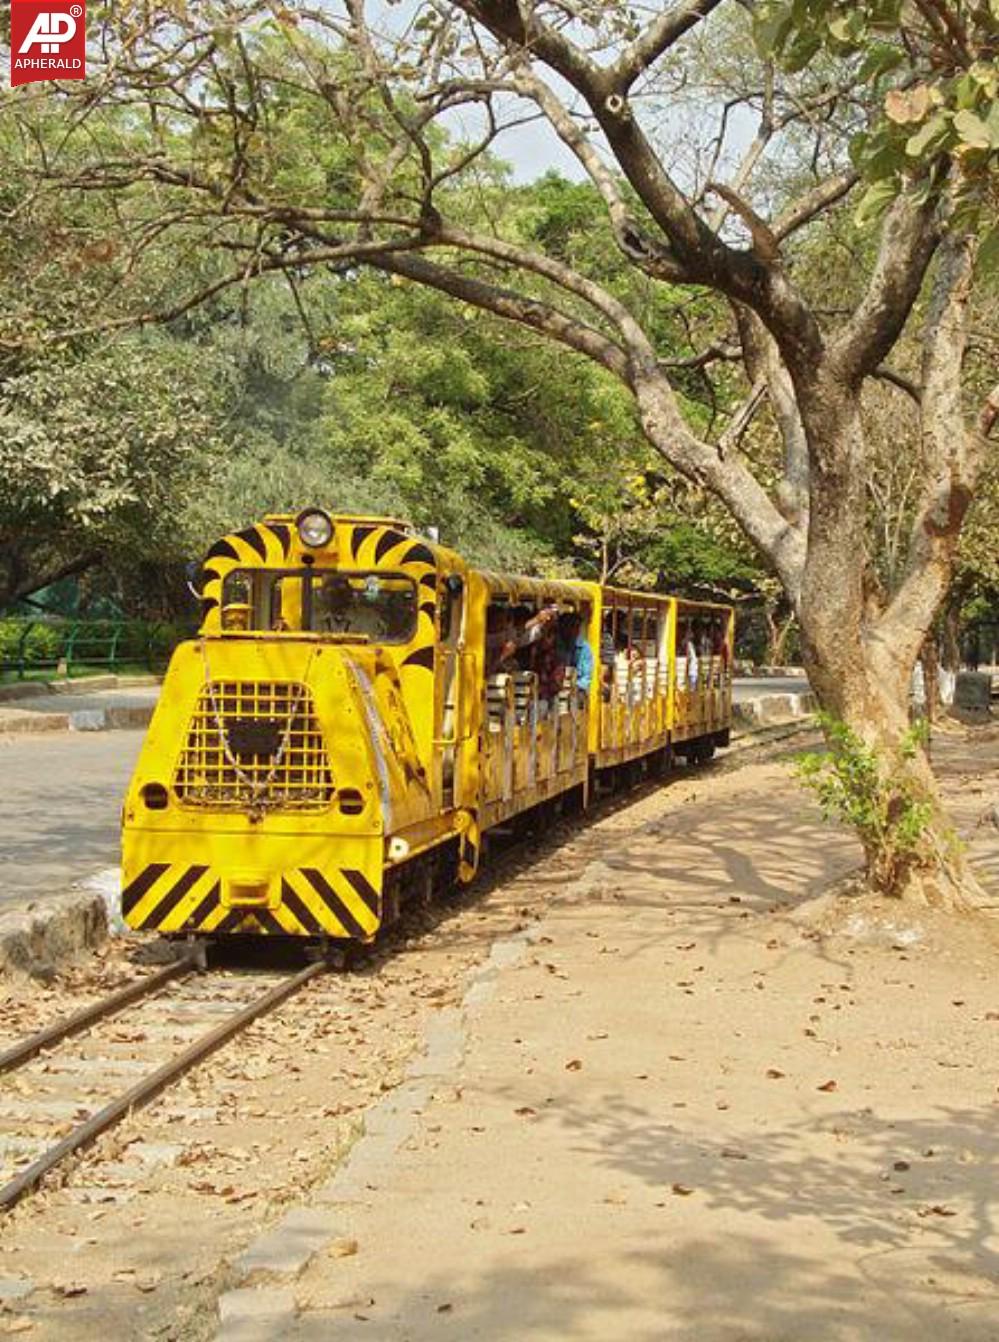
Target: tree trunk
952, 636
779, 631
891, 796
930, 659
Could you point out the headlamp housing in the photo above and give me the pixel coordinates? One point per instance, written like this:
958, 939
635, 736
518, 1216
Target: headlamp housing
315, 528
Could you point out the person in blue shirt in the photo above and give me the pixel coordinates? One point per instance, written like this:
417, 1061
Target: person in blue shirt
576, 652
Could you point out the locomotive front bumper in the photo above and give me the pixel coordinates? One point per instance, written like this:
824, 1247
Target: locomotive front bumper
300, 885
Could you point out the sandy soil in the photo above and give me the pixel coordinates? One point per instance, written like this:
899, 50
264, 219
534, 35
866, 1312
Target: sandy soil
704, 1105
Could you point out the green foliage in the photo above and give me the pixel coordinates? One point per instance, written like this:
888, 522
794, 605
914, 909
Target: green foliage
934, 86
857, 784
44, 643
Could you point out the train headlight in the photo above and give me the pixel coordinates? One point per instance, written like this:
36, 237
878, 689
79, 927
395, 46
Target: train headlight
315, 528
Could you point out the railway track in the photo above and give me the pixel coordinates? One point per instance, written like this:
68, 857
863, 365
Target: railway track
118, 1061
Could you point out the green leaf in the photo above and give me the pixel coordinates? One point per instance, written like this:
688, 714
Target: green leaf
770, 29
931, 137
875, 200
880, 60
972, 130
988, 251
801, 51
992, 121
848, 28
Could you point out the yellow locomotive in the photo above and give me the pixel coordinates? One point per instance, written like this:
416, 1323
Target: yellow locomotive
361, 708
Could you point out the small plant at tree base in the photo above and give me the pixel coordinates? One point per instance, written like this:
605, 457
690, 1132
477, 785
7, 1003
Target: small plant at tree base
858, 784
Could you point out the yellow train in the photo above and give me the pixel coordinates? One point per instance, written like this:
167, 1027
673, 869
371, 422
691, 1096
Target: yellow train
361, 708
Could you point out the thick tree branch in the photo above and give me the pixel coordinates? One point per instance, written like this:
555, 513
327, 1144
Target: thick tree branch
517, 307
952, 456
906, 384
69, 568
908, 240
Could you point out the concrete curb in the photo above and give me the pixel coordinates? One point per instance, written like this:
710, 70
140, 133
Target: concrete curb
770, 709
35, 939
261, 1306
37, 689
18, 722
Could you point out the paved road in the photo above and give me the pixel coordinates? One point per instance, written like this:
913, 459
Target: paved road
60, 802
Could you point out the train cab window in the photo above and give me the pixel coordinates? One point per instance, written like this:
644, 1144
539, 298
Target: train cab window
237, 603
262, 600
359, 607
366, 607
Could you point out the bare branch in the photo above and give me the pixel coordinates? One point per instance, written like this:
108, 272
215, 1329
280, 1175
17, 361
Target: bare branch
988, 416
657, 38
517, 307
813, 203
912, 389
952, 457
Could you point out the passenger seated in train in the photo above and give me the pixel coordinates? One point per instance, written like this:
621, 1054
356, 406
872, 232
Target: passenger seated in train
607, 656
687, 665
576, 653
548, 666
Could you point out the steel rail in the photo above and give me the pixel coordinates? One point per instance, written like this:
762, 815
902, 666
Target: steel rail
107, 1006
148, 1088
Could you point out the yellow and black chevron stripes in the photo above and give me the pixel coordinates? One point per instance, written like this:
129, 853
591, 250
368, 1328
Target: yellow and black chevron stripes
337, 903
172, 897
370, 545
266, 543
177, 897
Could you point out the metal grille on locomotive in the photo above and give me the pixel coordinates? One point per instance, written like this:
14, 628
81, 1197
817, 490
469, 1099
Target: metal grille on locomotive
251, 740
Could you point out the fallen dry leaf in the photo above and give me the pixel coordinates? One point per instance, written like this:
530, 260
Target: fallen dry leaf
342, 1248
574, 1065
827, 1086
681, 1190
775, 1074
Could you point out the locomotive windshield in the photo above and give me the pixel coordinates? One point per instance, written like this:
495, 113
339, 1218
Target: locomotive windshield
364, 607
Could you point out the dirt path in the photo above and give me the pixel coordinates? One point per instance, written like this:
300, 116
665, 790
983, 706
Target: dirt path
684, 1112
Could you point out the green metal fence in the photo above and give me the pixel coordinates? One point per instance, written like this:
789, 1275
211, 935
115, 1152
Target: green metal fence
38, 645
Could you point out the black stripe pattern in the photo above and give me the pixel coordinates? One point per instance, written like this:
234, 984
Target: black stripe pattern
421, 657
363, 888
197, 916
336, 906
175, 894
298, 908
388, 541
134, 891
254, 540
